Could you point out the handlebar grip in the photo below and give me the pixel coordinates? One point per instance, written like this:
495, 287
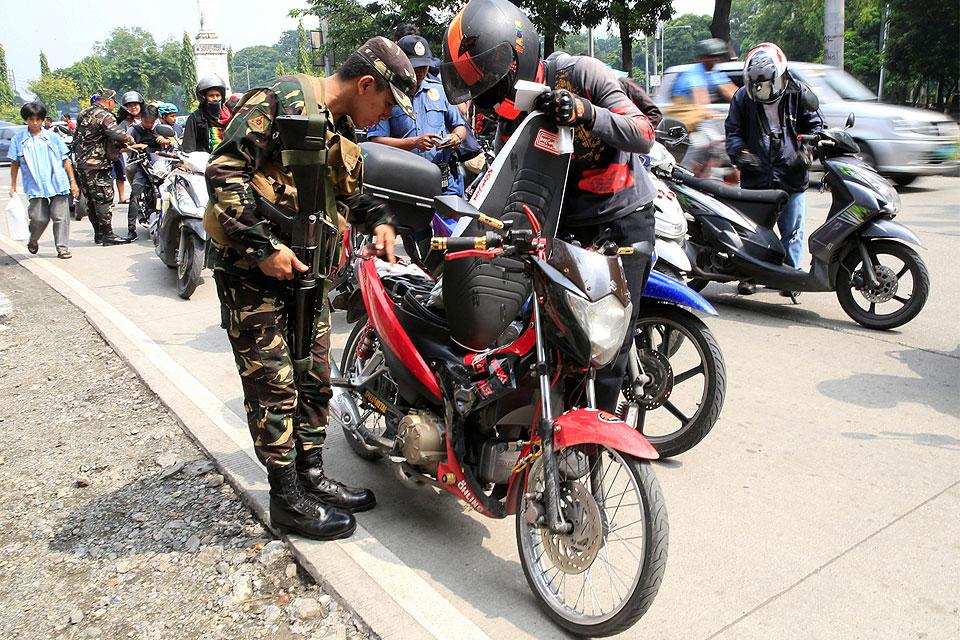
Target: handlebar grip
803, 137
458, 244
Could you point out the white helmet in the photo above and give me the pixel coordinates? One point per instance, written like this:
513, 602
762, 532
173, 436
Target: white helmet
765, 73
209, 82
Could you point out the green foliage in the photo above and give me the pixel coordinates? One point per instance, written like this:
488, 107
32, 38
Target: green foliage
679, 45
261, 61
6, 91
280, 71
923, 47
303, 53
186, 64
9, 113
634, 17
44, 64
54, 89
87, 73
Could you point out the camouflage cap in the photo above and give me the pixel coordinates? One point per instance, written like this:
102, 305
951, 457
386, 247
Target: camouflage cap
106, 94
394, 66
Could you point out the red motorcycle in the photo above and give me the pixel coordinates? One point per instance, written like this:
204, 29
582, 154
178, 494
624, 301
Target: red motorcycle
499, 429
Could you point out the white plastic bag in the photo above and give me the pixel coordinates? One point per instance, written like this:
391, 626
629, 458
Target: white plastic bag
17, 225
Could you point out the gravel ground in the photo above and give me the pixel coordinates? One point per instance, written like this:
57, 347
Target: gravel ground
115, 524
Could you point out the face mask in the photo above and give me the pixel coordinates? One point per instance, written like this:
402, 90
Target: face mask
212, 109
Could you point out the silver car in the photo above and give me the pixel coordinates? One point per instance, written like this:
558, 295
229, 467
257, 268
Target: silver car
901, 142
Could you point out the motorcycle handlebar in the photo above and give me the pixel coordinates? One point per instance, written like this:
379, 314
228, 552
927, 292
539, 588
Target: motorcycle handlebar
465, 243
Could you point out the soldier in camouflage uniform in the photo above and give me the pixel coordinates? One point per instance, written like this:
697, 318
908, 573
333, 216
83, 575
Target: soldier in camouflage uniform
97, 143
287, 416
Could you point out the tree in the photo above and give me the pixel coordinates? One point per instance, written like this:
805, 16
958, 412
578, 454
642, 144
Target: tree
258, 63
553, 18
6, 91
188, 73
44, 64
923, 50
53, 89
303, 54
634, 17
720, 26
280, 71
87, 73
680, 46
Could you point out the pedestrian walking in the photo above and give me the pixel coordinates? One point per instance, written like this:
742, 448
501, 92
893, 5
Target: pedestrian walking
97, 143
287, 412
41, 157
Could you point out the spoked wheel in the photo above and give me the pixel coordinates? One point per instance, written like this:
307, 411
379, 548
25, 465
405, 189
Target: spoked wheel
903, 285
687, 379
362, 356
599, 579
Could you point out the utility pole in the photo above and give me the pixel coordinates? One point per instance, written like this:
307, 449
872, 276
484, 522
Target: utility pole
884, 34
590, 51
646, 61
833, 19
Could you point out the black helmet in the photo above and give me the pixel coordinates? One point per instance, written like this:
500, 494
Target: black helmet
490, 44
765, 73
712, 48
132, 97
210, 82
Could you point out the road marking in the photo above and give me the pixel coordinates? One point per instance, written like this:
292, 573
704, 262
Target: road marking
410, 591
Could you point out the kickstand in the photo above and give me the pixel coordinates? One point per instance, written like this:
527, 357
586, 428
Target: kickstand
793, 297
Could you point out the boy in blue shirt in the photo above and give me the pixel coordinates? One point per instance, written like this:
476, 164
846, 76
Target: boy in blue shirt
47, 178
439, 127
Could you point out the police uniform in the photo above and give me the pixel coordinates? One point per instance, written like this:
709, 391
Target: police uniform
286, 416
97, 141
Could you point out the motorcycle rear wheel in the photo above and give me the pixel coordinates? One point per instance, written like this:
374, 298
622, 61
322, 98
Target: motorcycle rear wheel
892, 261
603, 576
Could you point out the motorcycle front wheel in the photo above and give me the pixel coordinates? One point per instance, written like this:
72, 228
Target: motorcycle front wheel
599, 579
901, 291
687, 383
189, 264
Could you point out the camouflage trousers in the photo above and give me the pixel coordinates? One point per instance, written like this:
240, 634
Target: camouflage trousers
96, 185
284, 414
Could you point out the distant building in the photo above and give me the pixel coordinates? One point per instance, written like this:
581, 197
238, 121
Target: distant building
210, 53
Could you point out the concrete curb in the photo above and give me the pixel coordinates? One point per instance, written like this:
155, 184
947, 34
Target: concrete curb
366, 578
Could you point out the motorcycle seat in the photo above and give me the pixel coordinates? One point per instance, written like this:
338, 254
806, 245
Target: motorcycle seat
726, 192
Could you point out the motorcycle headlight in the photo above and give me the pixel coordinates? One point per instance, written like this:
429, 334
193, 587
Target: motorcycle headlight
604, 322
885, 191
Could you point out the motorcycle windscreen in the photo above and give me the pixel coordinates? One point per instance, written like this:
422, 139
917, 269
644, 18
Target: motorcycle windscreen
530, 169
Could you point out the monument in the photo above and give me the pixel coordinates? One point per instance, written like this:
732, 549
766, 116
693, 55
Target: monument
210, 53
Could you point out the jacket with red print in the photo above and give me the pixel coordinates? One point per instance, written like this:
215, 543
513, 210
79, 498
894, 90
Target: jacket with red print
607, 179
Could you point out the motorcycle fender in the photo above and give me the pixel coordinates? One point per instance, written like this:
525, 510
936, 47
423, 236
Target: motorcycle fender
195, 225
665, 289
589, 426
673, 254
889, 229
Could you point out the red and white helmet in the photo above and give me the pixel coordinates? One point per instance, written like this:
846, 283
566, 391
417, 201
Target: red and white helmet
765, 73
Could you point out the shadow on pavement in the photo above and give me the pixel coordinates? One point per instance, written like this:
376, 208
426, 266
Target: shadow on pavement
934, 386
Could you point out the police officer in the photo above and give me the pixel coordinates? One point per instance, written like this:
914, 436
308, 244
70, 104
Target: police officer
490, 45
97, 144
439, 127
287, 417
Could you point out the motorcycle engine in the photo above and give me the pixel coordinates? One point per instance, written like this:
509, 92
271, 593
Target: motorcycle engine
421, 438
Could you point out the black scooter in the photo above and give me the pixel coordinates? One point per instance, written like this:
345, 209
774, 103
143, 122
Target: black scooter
859, 251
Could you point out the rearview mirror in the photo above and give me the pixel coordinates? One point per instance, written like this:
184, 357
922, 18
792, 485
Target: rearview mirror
851, 120
809, 100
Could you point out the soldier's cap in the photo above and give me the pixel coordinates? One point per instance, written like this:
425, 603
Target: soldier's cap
106, 94
418, 50
393, 65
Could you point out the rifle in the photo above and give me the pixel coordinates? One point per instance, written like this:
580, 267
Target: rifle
307, 231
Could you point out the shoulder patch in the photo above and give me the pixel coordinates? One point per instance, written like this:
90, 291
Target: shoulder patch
432, 93
258, 122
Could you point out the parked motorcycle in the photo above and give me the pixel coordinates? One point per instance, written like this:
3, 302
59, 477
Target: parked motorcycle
176, 223
670, 220
858, 252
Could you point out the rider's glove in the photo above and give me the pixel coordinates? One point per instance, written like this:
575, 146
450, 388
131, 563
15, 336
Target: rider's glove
567, 109
746, 160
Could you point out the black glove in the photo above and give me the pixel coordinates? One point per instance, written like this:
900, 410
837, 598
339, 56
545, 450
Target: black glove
368, 210
746, 160
567, 109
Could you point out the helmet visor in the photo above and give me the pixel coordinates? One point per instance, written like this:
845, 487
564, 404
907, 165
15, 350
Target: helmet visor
467, 76
767, 91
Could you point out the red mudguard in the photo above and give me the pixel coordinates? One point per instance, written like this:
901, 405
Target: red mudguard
589, 426
384, 320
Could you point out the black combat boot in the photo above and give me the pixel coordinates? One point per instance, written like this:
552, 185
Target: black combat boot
97, 235
292, 510
310, 470
108, 238
131, 234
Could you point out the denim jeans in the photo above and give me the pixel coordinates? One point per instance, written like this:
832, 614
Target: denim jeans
790, 224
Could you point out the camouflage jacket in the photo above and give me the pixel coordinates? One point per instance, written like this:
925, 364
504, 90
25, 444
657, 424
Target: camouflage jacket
97, 138
251, 149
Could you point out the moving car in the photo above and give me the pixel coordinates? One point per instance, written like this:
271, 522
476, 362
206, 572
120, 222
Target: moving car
902, 143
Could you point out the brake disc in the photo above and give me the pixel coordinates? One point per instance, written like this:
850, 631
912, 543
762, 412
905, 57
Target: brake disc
575, 552
660, 385
887, 285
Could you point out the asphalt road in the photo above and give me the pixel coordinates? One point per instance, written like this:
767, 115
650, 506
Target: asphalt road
825, 503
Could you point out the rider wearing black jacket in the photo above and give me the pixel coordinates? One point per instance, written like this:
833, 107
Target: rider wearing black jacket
203, 130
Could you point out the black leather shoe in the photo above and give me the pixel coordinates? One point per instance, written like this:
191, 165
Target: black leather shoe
108, 239
131, 235
292, 510
337, 494
746, 288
